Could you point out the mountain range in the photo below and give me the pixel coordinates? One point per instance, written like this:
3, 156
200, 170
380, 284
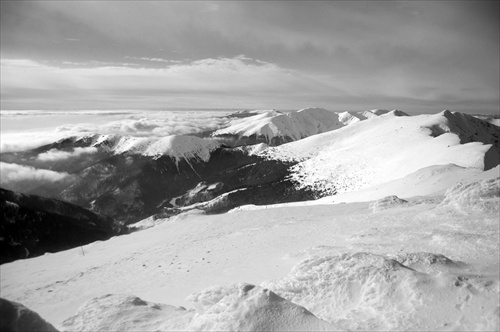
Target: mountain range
259, 157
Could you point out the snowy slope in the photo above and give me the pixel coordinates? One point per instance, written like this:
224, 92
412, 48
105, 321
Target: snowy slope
275, 125
388, 147
428, 265
432, 180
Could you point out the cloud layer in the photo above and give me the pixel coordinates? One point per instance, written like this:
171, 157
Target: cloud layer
55, 154
18, 177
341, 55
221, 82
22, 130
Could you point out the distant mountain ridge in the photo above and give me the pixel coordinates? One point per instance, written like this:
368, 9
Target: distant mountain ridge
276, 128
178, 147
131, 178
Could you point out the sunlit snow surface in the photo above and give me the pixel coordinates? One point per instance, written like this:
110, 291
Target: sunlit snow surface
295, 125
385, 148
431, 264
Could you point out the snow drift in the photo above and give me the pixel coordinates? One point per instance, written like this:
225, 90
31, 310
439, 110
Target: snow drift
245, 307
364, 291
354, 291
127, 313
388, 202
238, 307
481, 196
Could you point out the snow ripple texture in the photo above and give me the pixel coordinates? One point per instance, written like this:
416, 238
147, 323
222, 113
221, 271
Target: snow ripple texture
365, 291
245, 307
481, 196
237, 307
354, 291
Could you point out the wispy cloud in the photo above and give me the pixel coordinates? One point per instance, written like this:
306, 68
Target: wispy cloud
152, 59
219, 82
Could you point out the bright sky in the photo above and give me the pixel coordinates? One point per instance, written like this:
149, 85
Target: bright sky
340, 55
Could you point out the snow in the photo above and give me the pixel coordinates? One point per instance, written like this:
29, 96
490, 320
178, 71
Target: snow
347, 118
372, 152
364, 291
420, 266
254, 149
125, 312
476, 196
176, 146
432, 180
179, 147
293, 125
388, 202
415, 246
245, 307
238, 307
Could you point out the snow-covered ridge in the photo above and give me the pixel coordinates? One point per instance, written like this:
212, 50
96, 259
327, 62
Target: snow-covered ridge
348, 118
178, 147
292, 126
388, 147
275, 127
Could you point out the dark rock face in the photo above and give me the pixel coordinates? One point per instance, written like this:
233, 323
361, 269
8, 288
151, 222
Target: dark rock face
16, 317
31, 226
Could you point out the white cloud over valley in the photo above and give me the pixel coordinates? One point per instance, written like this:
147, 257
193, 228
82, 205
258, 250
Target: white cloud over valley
55, 154
14, 176
23, 130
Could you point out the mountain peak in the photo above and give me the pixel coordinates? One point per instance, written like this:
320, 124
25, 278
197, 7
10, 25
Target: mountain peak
275, 127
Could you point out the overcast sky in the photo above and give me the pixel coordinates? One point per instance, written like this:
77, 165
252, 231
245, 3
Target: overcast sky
340, 55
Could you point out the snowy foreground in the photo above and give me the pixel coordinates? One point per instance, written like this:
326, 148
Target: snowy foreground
428, 262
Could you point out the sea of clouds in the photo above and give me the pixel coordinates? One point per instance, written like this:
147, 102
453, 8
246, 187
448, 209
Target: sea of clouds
22, 130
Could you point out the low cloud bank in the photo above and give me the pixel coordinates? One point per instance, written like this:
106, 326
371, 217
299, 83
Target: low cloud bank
15, 177
135, 123
54, 154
